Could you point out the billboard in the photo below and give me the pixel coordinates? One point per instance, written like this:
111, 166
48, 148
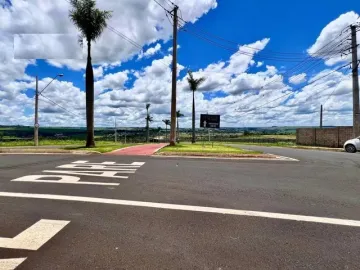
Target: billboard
209, 121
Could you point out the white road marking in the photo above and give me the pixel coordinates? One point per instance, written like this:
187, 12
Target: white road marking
10, 264
138, 164
96, 167
64, 179
35, 236
333, 221
110, 174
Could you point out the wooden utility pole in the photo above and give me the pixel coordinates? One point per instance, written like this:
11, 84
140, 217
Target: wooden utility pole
174, 73
36, 124
321, 116
355, 76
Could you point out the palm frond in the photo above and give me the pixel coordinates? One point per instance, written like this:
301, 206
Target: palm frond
194, 83
88, 19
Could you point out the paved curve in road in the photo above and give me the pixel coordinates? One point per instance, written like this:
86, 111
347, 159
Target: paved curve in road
309, 156
131, 235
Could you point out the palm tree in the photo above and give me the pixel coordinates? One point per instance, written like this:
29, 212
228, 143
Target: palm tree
194, 85
178, 115
167, 123
91, 22
148, 120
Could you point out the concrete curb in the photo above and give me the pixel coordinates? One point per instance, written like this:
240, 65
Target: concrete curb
275, 158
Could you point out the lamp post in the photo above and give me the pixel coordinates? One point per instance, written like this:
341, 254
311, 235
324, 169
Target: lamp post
37, 93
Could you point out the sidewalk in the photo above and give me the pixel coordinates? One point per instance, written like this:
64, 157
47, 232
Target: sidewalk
139, 150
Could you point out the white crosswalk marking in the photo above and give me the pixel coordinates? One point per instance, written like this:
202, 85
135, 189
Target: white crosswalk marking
35, 236
10, 264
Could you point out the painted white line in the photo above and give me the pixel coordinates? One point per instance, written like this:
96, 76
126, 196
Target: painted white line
60, 179
110, 174
112, 163
333, 221
283, 157
10, 264
35, 236
68, 182
96, 167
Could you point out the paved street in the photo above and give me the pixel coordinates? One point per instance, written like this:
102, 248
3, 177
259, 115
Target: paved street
133, 212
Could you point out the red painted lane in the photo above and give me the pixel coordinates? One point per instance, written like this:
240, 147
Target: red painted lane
139, 150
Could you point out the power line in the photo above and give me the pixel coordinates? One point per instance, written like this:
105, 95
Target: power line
293, 91
53, 102
332, 93
203, 32
160, 5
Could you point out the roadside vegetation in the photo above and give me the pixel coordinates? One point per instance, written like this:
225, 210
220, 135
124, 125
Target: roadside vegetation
102, 147
205, 149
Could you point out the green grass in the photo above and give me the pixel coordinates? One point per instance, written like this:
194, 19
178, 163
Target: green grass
42, 142
216, 148
102, 147
274, 144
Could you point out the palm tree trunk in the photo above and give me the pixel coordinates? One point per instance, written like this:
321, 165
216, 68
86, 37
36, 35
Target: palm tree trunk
166, 132
89, 85
193, 119
178, 133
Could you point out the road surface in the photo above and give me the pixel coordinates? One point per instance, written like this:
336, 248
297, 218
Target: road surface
68, 220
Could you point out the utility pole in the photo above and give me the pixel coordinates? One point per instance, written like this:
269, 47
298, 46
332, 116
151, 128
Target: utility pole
36, 124
174, 73
321, 116
115, 130
355, 75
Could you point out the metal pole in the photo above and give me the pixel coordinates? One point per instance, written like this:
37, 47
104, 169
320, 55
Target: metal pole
355, 76
36, 124
115, 131
321, 116
174, 73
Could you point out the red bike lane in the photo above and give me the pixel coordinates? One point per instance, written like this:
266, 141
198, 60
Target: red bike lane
139, 150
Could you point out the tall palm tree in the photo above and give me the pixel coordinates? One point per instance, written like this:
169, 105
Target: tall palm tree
178, 115
91, 22
148, 120
194, 85
167, 123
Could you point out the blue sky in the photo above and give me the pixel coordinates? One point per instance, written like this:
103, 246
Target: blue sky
291, 28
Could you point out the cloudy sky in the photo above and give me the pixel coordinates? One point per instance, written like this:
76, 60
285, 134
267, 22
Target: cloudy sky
265, 64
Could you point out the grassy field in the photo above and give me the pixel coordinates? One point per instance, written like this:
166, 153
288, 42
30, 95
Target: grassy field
43, 143
102, 147
208, 148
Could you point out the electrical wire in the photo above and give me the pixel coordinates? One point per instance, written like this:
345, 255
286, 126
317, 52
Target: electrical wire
294, 91
53, 102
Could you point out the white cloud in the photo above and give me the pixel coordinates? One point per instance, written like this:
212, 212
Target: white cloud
329, 40
297, 79
111, 81
259, 64
142, 21
150, 52
171, 48
251, 99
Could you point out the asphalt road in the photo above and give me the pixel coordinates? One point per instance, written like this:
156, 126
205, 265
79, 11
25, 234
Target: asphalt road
128, 232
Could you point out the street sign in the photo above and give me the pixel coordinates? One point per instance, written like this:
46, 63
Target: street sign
209, 121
